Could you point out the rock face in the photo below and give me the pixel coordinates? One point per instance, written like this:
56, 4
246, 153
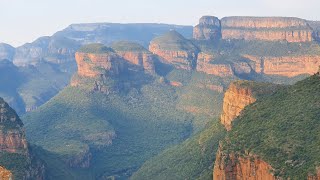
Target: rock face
234, 167
13, 141
5, 174
239, 95
266, 29
173, 48
135, 54
209, 28
285, 66
235, 100
205, 63
12, 135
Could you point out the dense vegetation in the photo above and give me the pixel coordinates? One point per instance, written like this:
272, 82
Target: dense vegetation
174, 41
128, 46
282, 129
95, 48
193, 159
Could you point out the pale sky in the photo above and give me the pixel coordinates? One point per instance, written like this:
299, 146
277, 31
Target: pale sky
23, 21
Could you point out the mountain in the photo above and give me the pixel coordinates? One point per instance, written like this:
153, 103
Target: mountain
6, 51
268, 139
17, 160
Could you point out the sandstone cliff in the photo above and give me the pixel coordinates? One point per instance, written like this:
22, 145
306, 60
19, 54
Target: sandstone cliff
246, 167
285, 66
5, 174
239, 95
14, 144
135, 54
205, 63
266, 29
209, 28
173, 48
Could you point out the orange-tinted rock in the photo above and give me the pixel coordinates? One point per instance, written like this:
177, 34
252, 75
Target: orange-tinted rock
209, 28
234, 167
315, 176
173, 48
5, 174
92, 65
266, 29
206, 64
286, 66
175, 83
12, 135
235, 100
143, 59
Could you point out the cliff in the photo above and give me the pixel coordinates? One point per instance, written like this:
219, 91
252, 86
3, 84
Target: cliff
5, 174
288, 66
96, 59
14, 152
174, 49
266, 29
135, 54
235, 167
205, 63
209, 28
267, 140
239, 95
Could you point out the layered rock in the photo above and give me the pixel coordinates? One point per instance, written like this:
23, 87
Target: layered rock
173, 48
135, 54
209, 28
266, 29
235, 167
239, 95
206, 64
5, 174
285, 66
12, 135
13, 141
95, 59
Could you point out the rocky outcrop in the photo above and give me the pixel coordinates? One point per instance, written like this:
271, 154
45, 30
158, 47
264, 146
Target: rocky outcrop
246, 167
5, 174
81, 160
13, 141
235, 100
266, 29
12, 135
209, 28
206, 64
239, 95
135, 54
285, 66
174, 49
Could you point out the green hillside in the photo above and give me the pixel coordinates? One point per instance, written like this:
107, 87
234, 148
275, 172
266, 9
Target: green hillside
193, 159
282, 129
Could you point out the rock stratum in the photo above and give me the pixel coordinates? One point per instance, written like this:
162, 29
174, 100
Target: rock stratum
255, 28
13, 144
248, 152
174, 49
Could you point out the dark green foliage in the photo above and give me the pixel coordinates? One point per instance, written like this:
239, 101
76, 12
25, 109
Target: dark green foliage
17, 163
193, 159
128, 46
174, 41
95, 48
282, 129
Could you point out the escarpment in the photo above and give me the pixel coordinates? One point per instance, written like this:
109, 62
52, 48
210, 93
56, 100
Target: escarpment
209, 28
267, 141
239, 95
246, 167
266, 29
16, 160
288, 66
135, 54
174, 49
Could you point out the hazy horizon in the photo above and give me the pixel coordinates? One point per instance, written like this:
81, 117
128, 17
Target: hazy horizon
26, 21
